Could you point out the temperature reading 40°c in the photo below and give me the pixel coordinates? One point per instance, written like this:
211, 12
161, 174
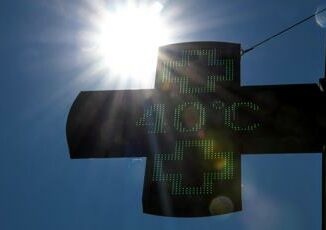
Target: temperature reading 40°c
191, 116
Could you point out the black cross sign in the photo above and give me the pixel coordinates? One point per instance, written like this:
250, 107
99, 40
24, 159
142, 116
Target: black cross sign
194, 126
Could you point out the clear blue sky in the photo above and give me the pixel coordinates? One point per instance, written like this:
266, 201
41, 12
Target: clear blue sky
41, 68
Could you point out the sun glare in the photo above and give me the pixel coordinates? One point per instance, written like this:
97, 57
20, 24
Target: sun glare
128, 39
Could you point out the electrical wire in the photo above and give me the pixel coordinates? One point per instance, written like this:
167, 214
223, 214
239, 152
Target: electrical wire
281, 32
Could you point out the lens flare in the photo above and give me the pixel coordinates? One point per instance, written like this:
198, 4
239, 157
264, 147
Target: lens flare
321, 17
221, 205
220, 164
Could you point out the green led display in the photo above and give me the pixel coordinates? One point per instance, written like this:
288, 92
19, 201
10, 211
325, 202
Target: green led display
193, 127
230, 116
190, 128
224, 172
218, 105
178, 118
153, 119
166, 78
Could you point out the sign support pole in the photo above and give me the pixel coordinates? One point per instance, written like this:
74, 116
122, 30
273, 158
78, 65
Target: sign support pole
323, 165
323, 190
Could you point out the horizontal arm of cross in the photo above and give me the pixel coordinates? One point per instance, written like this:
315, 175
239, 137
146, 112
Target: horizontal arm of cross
134, 123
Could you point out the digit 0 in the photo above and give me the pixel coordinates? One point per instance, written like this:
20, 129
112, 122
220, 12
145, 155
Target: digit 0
189, 117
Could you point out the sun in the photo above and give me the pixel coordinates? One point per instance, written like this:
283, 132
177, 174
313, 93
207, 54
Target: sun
128, 38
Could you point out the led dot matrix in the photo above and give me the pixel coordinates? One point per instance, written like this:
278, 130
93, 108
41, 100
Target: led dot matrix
175, 179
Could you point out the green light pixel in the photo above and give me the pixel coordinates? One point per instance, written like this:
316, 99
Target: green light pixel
226, 172
218, 105
166, 80
230, 116
178, 112
153, 118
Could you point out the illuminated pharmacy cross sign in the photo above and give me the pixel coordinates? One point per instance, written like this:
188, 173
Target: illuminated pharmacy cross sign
194, 126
